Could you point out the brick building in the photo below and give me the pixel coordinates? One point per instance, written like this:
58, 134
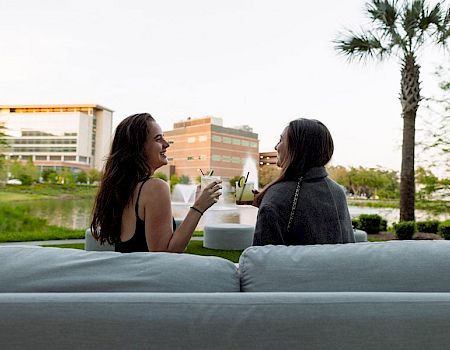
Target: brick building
204, 143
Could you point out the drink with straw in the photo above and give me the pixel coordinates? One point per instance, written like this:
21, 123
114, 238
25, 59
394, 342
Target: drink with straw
244, 194
207, 178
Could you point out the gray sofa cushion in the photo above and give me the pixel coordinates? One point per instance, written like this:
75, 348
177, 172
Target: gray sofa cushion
395, 266
248, 321
36, 269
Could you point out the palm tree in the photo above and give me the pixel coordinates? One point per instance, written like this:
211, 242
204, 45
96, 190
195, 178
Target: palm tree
401, 29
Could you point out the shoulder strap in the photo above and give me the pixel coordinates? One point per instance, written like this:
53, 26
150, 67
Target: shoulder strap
136, 205
294, 203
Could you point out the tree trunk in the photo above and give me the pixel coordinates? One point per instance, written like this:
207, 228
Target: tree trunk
407, 183
409, 98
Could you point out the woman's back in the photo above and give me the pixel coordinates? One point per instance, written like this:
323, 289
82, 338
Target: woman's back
321, 215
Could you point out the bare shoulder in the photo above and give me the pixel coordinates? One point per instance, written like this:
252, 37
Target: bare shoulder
156, 187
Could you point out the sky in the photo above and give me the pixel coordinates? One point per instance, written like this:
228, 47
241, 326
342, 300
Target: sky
256, 62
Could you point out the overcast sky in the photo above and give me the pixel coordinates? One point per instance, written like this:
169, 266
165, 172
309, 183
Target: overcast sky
261, 63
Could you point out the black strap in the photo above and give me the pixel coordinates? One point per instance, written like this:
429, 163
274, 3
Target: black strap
294, 204
136, 207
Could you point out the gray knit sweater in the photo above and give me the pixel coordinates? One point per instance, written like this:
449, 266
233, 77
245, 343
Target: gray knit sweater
321, 215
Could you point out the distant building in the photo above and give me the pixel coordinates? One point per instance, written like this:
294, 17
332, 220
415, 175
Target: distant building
75, 136
204, 143
268, 159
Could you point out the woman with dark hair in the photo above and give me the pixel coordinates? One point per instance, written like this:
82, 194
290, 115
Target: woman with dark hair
303, 205
132, 209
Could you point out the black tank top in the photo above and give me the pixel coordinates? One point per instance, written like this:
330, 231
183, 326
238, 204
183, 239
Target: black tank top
138, 242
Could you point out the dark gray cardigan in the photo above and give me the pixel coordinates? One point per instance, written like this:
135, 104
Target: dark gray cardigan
321, 215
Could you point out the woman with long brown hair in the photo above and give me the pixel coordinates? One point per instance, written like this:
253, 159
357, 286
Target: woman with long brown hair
132, 209
303, 205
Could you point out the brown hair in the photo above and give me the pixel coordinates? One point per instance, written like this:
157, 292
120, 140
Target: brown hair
125, 166
309, 144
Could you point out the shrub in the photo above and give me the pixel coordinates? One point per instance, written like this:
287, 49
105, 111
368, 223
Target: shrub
444, 229
371, 223
355, 223
383, 225
429, 226
405, 229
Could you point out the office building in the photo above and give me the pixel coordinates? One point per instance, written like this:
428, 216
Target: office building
74, 136
204, 143
268, 159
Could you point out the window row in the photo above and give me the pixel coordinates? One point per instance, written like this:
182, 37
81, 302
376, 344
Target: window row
44, 149
234, 141
81, 159
43, 141
218, 158
221, 139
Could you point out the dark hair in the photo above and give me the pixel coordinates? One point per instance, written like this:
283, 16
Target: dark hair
309, 144
125, 166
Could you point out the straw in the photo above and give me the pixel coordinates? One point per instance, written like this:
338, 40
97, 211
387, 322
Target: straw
202, 172
243, 188
211, 172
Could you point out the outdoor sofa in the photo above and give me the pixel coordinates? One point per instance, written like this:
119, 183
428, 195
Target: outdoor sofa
386, 295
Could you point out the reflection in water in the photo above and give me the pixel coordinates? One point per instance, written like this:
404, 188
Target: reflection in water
76, 214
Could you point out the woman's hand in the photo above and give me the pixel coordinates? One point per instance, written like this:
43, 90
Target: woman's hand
255, 195
209, 196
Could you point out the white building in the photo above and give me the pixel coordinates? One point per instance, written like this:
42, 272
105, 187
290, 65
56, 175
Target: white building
75, 136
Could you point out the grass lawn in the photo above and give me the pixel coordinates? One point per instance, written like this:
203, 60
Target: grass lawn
194, 247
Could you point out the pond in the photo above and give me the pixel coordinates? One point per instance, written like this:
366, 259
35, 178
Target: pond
75, 214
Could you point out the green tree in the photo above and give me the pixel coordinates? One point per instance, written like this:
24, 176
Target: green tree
25, 172
174, 179
93, 175
81, 177
49, 175
267, 174
184, 179
339, 174
401, 29
3, 147
160, 175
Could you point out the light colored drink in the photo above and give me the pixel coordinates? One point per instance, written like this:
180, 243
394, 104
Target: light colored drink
244, 194
205, 180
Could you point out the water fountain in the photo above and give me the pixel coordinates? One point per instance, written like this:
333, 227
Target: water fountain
252, 171
183, 193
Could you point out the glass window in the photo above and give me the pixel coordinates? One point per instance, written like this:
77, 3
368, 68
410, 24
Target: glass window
236, 142
191, 139
216, 138
70, 158
190, 158
226, 159
253, 144
236, 160
55, 157
202, 138
226, 139
216, 157
40, 157
245, 143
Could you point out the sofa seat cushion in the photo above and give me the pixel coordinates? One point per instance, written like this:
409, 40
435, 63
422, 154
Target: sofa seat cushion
394, 266
38, 269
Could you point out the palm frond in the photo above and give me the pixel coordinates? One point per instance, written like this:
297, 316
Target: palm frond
410, 19
384, 13
360, 46
444, 29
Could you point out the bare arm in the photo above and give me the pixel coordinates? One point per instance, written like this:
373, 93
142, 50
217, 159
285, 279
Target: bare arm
158, 216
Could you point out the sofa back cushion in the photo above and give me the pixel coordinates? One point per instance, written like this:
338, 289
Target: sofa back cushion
36, 269
395, 266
